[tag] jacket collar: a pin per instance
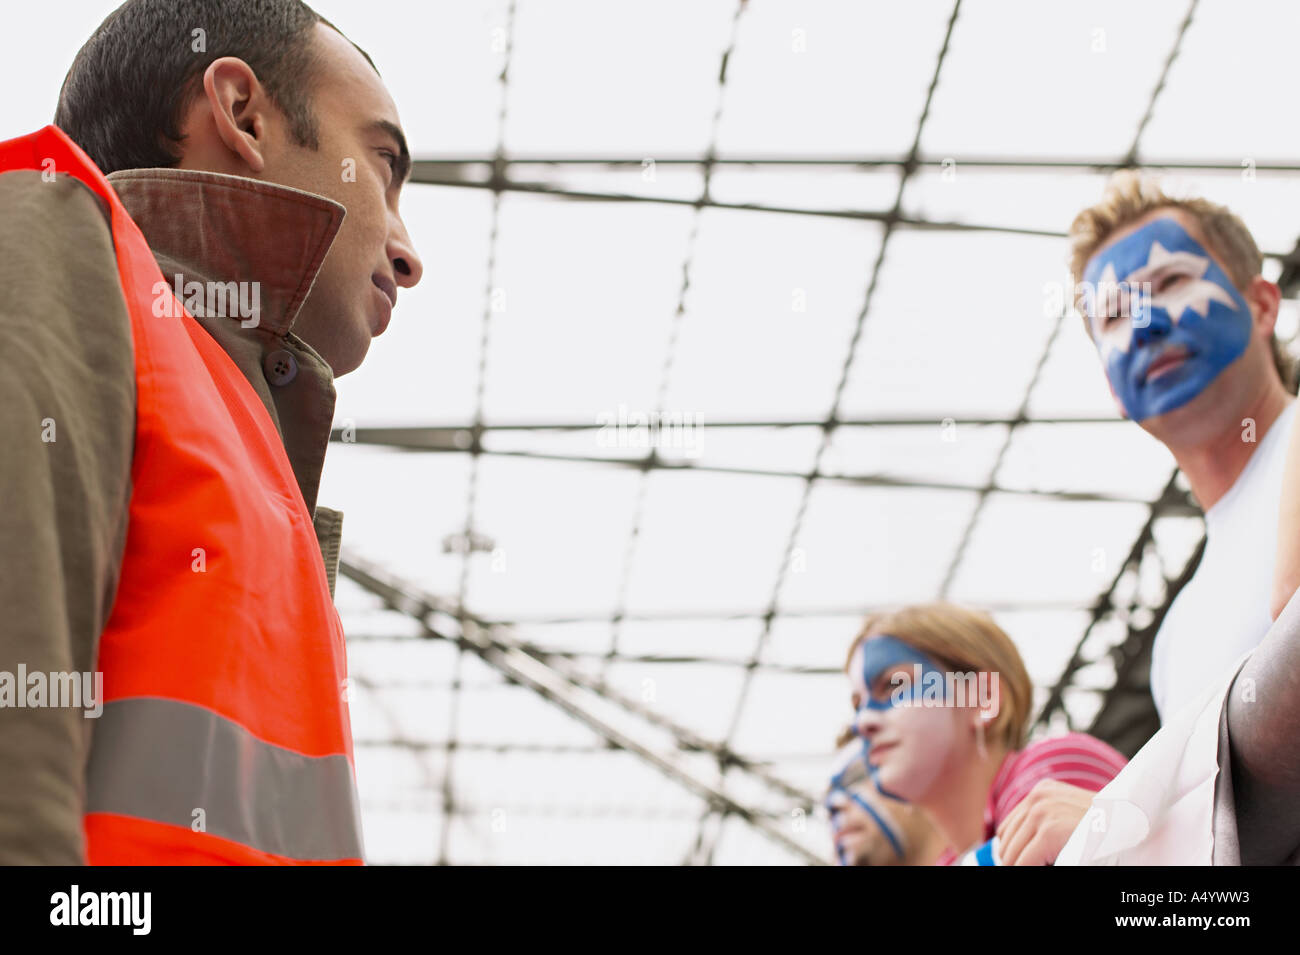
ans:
(212, 228)
(233, 229)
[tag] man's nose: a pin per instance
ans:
(407, 267)
(1150, 324)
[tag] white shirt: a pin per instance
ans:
(1225, 608)
(1162, 808)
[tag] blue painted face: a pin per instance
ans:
(875, 657)
(872, 662)
(851, 773)
(1157, 295)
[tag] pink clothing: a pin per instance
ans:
(1075, 758)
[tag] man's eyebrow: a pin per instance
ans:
(404, 155)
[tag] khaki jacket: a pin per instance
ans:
(67, 413)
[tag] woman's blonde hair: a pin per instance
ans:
(1131, 194)
(963, 640)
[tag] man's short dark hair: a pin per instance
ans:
(131, 84)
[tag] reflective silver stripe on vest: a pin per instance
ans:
(161, 760)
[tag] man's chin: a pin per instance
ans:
(348, 356)
(1183, 403)
(351, 364)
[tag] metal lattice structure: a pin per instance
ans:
(720, 790)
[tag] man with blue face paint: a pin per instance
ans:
(1166, 318)
(869, 828)
(1183, 324)
(1172, 297)
(850, 782)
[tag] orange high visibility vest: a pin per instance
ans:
(225, 735)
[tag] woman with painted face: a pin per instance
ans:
(942, 700)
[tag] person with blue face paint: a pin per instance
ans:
(1165, 316)
(1182, 320)
(869, 828)
(1172, 296)
(942, 701)
(1220, 782)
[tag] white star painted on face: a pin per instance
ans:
(1193, 291)
(1108, 290)
(1110, 299)
(1186, 287)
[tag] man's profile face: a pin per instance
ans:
(359, 164)
(859, 840)
(865, 830)
(1164, 315)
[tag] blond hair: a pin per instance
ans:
(1131, 194)
(963, 640)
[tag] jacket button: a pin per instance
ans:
(280, 366)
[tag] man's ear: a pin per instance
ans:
(239, 109)
(1264, 299)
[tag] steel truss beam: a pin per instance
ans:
(580, 696)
